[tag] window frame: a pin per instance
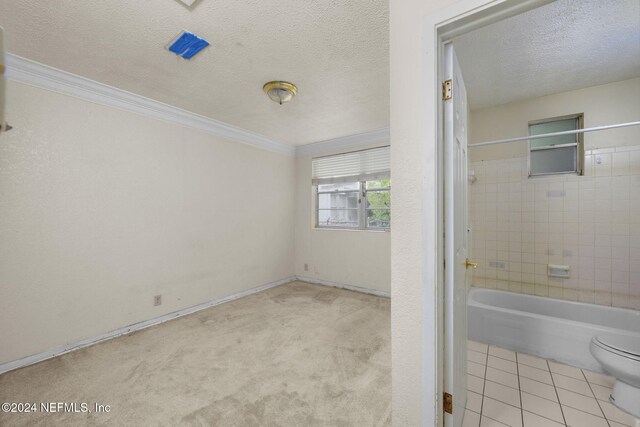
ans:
(362, 209)
(579, 144)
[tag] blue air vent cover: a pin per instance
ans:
(187, 45)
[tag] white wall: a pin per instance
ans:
(102, 209)
(413, 288)
(356, 258)
(605, 104)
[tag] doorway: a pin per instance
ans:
(551, 139)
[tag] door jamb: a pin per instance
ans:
(439, 28)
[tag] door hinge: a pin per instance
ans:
(448, 403)
(446, 90)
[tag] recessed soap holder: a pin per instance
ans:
(561, 271)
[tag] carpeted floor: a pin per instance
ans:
(294, 355)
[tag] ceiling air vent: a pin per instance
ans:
(187, 45)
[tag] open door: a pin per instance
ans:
(456, 240)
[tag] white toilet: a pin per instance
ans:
(619, 355)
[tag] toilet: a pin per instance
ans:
(619, 355)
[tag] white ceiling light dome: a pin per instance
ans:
(280, 92)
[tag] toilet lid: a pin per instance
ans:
(625, 344)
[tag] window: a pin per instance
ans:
(353, 190)
(556, 154)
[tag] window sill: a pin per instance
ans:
(388, 230)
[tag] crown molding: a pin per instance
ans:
(29, 72)
(378, 136)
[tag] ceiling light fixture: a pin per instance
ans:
(280, 92)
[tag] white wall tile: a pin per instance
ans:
(591, 223)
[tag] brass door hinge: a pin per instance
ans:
(446, 90)
(448, 403)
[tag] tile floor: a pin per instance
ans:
(505, 388)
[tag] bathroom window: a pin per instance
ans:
(353, 190)
(557, 154)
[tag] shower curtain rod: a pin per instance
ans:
(546, 135)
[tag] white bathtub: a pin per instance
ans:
(550, 328)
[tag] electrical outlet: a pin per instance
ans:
(306, 267)
(157, 300)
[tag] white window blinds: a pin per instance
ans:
(364, 165)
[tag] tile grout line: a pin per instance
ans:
(557, 395)
(540, 397)
(484, 382)
(597, 400)
(540, 382)
(506, 403)
(519, 390)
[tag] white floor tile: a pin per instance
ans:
(542, 407)
(474, 401)
(572, 384)
(566, 370)
(539, 389)
(614, 414)
(601, 392)
(580, 402)
(476, 369)
(535, 374)
(477, 346)
(502, 412)
(474, 356)
(502, 393)
(502, 364)
(475, 384)
(502, 377)
(534, 420)
(488, 422)
(502, 353)
(600, 379)
(471, 419)
(576, 418)
(549, 393)
(536, 362)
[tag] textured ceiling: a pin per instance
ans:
(565, 45)
(336, 52)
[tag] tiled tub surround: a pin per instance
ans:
(590, 222)
(518, 390)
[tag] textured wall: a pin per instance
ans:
(358, 258)
(413, 302)
(101, 209)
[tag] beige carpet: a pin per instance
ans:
(294, 355)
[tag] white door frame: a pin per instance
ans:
(438, 28)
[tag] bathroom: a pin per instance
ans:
(554, 221)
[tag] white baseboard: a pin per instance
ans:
(57, 351)
(343, 286)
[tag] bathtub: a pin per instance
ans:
(553, 329)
